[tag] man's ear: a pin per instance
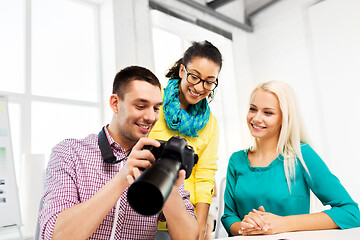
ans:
(114, 100)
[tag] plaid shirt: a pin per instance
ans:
(75, 172)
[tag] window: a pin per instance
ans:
(63, 50)
(52, 65)
(167, 50)
(50, 72)
(12, 46)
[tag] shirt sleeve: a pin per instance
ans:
(185, 196)
(230, 215)
(207, 166)
(60, 190)
(327, 187)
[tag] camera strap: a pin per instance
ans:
(110, 158)
(117, 209)
(105, 148)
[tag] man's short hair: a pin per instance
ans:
(132, 73)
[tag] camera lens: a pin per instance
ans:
(149, 192)
(145, 198)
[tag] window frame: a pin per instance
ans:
(25, 99)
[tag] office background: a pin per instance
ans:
(58, 59)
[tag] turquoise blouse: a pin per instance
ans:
(249, 188)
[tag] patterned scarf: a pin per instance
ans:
(186, 122)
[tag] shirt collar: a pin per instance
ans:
(112, 142)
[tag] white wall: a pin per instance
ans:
(279, 50)
(337, 60)
(314, 47)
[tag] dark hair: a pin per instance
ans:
(132, 73)
(203, 49)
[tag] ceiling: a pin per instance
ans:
(252, 6)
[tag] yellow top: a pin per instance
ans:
(202, 180)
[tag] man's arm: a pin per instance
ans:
(80, 221)
(181, 224)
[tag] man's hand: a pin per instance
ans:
(180, 179)
(181, 224)
(138, 159)
(175, 189)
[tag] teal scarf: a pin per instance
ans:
(186, 122)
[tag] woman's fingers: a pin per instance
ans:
(261, 209)
(255, 218)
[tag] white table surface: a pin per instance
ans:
(336, 234)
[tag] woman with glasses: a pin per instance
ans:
(186, 113)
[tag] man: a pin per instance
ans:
(85, 197)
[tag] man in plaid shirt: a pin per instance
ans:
(85, 197)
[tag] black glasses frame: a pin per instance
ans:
(200, 80)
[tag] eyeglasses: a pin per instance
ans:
(193, 79)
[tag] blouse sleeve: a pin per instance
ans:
(230, 215)
(207, 166)
(327, 187)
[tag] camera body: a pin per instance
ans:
(149, 192)
(178, 149)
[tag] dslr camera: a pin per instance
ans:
(149, 192)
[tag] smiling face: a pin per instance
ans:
(202, 68)
(135, 114)
(264, 118)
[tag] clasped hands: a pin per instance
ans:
(260, 222)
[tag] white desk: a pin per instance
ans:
(349, 234)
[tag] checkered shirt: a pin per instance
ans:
(75, 172)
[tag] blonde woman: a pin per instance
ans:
(268, 185)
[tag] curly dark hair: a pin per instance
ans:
(203, 49)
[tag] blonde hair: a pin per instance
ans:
(292, 132)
